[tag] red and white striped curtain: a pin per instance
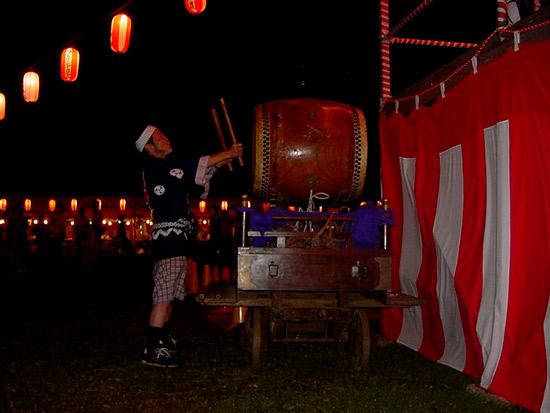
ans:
(468, 179)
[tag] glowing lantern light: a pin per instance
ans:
(31, 87)
(51, 205)
(2, 106)
(265, 206)
(3, 204)
(195, 6)
(27, 204)
(292, 208)
(122, 204)
(98, 204)
(202, 206)
(121, 26)
(224, 205)
(70, 60)
(74, 204)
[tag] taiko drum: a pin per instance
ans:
(309, 146)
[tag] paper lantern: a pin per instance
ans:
(122, 204)
(195, 6)
(70, 60)
(121, 26)
(3, 204)
(31, 87)
(2, 106)
(202, 206)
(51, 205)
(224, 205)
(27, 204)
(74, 204)
(98, 204)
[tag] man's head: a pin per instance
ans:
(154, 142)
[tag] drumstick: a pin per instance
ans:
(230, 128)
(220, 134)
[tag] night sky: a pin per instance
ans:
(78, 139)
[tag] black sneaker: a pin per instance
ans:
(171, 344)
(160, 357)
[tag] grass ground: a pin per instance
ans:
(70, 341)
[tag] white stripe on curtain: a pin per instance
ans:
(411, 256)
(446, 232)
(491, 321)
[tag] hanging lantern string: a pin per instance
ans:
(66, 44)
(481, 47)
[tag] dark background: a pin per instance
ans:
(78, 138)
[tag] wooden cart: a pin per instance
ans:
(307, 294)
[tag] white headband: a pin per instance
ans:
(144, 137)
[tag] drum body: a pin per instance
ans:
(304, 146)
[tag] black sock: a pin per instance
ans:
(154, 337)
(166, 332)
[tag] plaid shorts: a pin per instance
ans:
(169, 279)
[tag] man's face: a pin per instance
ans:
(161, 143)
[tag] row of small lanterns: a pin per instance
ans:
(121, 27)
(52, 204)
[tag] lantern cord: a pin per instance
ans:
(72, 41)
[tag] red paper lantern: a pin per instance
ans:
(31, 86)
(51, 205)
(27, 204)
(195, 6)
(3, 204)
(74, 204)
(2, 106)
(224, 205)
(121, 26)
(70, 60)
(122, 204)
(202, 206)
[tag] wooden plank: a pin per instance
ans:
(394, 300)
(305, 269)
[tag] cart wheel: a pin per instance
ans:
(360, 339)
(253, 336)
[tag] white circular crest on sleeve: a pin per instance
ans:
(178, 173)
(159, 190)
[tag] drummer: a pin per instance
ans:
(168, 181)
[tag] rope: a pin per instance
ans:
(411, 16)
(469, 62)
(423, 42)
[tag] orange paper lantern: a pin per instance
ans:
(70, 60)
(74, 204)
(27, 204)
(195, 6)
(31, 86)
(224, 205)
(122, 204)
(121, 26)
(51, 205)
(2, 106)
(202, 206)
(3, 204)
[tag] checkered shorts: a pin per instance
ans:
(169, 279)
